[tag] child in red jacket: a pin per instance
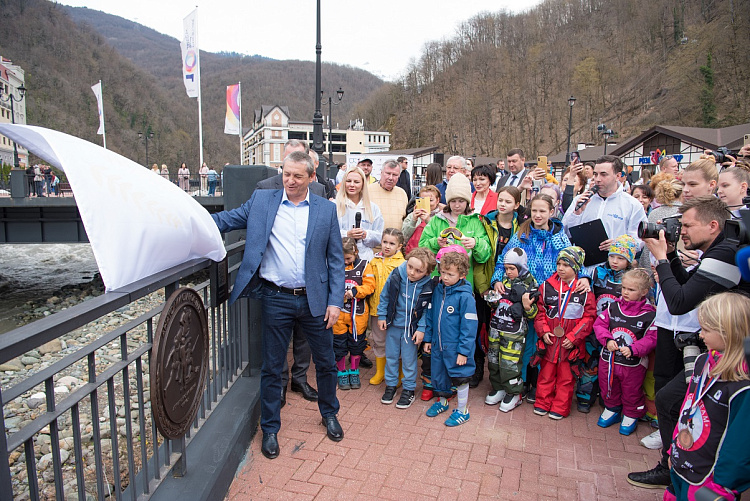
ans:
(564, 320)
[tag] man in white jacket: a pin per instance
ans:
(619, 212)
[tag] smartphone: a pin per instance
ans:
(422, 203)
(536, 185)
(541, 162)
(574, 157)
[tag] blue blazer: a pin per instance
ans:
(324, 255)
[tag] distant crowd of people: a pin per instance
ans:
(42, 181)
(208, 178)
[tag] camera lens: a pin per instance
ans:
(649, 230)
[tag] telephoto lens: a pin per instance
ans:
(689, 354)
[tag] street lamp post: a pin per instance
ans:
(571, 102)
(340, 96)
(607, 134)
(148, 135)
(12, 98)
(317, 115)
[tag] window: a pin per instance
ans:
(293, 134)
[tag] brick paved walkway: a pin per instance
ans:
(388, 453)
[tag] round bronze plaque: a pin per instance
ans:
(179, 362)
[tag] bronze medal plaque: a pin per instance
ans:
(179, 362)
(559, 331)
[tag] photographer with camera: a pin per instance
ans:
(682, 291)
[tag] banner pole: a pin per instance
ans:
(104, 129)
(239, 101)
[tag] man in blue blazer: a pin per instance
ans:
(294, 264)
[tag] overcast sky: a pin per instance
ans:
(381, 36)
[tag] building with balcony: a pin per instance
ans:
(263, 144)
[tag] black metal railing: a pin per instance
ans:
(99, 439)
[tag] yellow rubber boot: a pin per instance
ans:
(379, 371)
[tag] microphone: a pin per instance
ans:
(357, 219)
(594, 191)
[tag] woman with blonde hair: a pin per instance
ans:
(710, 453)
(353, 198)
(164, 171)
(155, 169)
(700, 178)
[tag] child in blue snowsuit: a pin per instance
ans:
(450, 337)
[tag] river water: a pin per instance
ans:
(34, 272)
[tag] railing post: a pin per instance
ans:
(180, 465)
(6, 487)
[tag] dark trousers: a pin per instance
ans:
(484, 313)
(301, 355)
(668, 359)
(344, 344)
(668, 402)
(281, 313)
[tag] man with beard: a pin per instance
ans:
(682, 291)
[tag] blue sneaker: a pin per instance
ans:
(628, 425)
(343, 380)
(456, 418)
(608, 418)
(437, 408)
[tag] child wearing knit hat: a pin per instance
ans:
(564, 320)
(607, 285)
(508, 329)
(457, 224)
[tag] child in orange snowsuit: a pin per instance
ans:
(349, 330)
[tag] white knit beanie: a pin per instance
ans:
(458, 187)
(517, 257)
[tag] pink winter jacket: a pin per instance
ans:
(640, 347)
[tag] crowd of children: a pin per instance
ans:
(552, 331)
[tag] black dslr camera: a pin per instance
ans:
(720, 154)
(671, 225)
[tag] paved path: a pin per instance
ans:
(388, 453)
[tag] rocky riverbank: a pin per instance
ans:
(21, 412)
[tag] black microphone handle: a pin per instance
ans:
(594, 191)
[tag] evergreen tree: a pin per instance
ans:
(708, 104)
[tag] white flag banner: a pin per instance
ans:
(191, 73)
(100, 104)
(138, 224)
